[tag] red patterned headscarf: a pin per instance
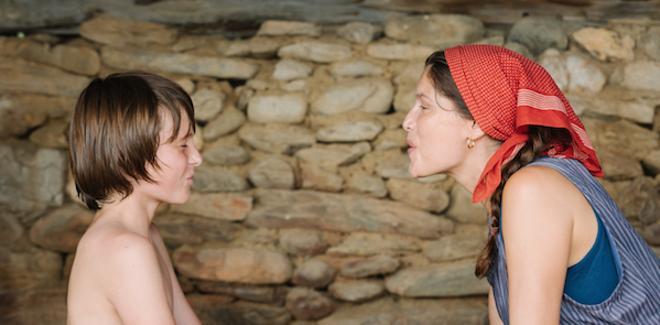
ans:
(506, 92)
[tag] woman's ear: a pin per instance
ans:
(475, 131)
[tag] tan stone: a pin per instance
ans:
(437, 280)
(61, 229)
(23, 76)
(217, 206)
(343, 213)
(233, 264)
(430, 197)
(122, 32)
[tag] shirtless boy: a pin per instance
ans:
(131, 149)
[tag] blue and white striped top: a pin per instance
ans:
(636, 297)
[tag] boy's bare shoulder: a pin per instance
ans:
(113, 246)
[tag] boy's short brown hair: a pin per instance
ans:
(114, 132)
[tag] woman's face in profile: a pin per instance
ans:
(437, 134)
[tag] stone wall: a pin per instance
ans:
(303, 211)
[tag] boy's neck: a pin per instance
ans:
(134, 212)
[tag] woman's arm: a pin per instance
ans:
(537, 228)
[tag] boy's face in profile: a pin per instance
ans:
(177, 160)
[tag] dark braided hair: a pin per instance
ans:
(541, 139)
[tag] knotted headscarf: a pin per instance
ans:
(505, 93)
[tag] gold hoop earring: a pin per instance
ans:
(471, 143)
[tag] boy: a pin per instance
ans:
(130, 149)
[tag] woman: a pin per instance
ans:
(559, 249)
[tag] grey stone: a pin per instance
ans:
(637, 142)
(23, 76)
(350, 132)
(331, 156)
(461, 208)
(539, 33)
(520, 48)
(61, 229)
(254, 293)
(455, 246)
(356, 290)
(28, 269)
(437, 31)
(639, 199)
(224, 206)
(555, 64)
(213, 309)
(32, 178)
(373, 95)
(277, 138)
(342, 212)
(317, 177)
(76, 59)
(388, 311)
(21, 113)
(605, 44)
(370, 266)
(316, 51)
(584, 75)
(291, 69)
(368, 244)
(430, 197)
(635, 109)
(313, 273)
(227, 122)
(358, 32)
(208, 103)
(302, 241)
(387, 164)
(366, 183)
(45, 305)
(258, 46)
(219, 153)
(618, 167)
(272, 172)
(52, 135)
(308, 304)
(451, 279)
(404, 99)
(277, 108)
(639, 75)
(10, 229)
(391, 139)
(223, 68)
(179, 229)
(398, 51)
(356, 68)
(210, 178)
(651, 43)
(652, 234)
(122, 32)
(652, 162)
(232, 264)
(281, 27)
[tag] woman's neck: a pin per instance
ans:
(468, 173)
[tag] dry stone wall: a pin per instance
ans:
(303, 211)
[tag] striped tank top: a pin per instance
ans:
(636, 297)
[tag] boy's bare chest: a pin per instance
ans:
(165, 275)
